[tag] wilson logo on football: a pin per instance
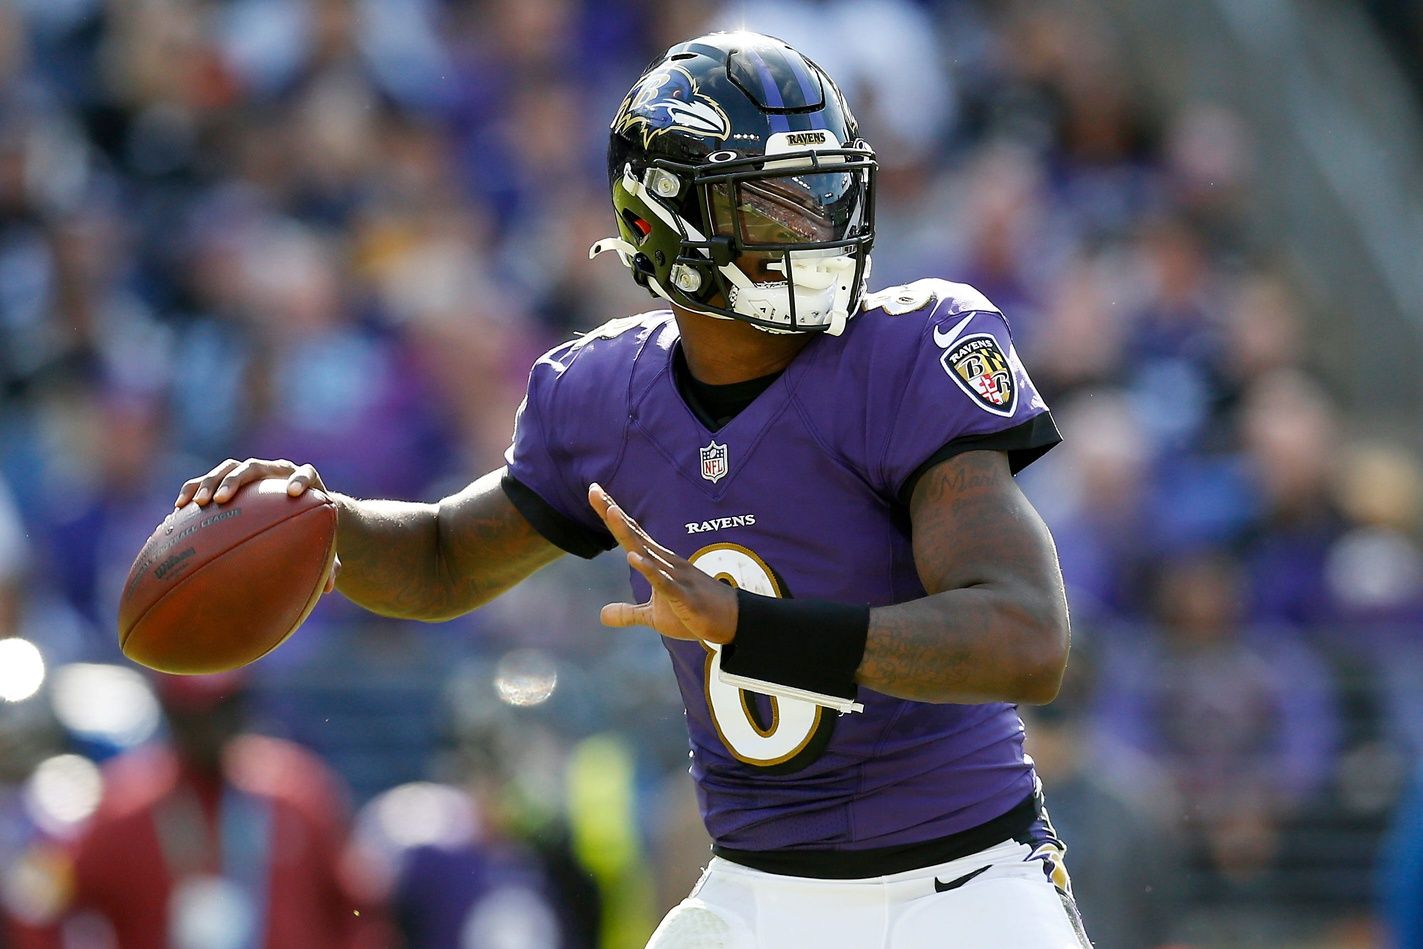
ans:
(980, 367)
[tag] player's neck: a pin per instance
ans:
(719, 352)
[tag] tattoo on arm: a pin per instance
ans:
(436, 561)
(485, 545)
(994, 625)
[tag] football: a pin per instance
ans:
(219, 586)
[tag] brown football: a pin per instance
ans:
(217, 587)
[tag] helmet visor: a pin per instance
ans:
(789, 211)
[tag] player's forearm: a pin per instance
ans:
(390, 561)
(977, 644)
(995, 628)
(436, 561)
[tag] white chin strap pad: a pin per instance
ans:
(822, 286)
(822, 290)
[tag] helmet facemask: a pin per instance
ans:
(780, 241)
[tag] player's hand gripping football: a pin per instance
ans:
(222, 482)
(685, 602)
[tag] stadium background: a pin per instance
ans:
(340, 231)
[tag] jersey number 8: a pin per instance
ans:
(795, 731)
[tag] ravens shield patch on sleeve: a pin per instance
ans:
(981, 368)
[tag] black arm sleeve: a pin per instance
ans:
(557, 528)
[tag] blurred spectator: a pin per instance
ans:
(1117, 811)
(1245, 728)
(1264, 331)
(329, 389)
(1095, 495)
(1006, 239)
(1209, 165)
(1290, 436)
(391, 46)
(1066, 96)
(1173, 350)
(97, 502)
(482, 857)
(1374, 577)
(13, 555)
(1400, 873)
(454, 875)
(29, 735)
(224, 839)
(1079, 344)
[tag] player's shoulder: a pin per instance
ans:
(593, 368)
(592, 375)
(614, 346)
(900, 333)
(911, 308)
(897, 321)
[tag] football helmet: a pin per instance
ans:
(741, 187)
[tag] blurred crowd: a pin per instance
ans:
(339, 231)
(1400, 23)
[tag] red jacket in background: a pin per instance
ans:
(274, 826)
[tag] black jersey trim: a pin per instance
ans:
(882, 861)
(716, 405)
(1025, 443)
(555, 526)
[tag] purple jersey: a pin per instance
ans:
(803, 493)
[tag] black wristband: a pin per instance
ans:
(811, 645)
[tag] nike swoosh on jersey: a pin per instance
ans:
(945, 340)
(941, 887)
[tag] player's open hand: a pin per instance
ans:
(222, 482)
(685, 602)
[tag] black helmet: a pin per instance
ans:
(733, 149)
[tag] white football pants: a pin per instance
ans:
(1009, 896)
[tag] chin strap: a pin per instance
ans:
(759, 300)
(617, 245)
(821, 285)
(626, 252)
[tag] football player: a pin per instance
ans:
(812, 485)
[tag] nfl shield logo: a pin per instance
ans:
(713, 462)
